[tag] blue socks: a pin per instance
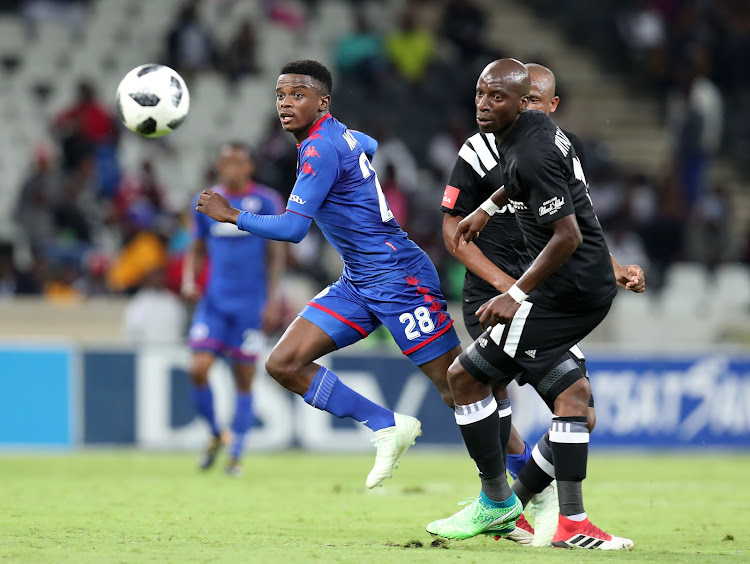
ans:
(514, 462)
(243, 420)
(329, 394)
(203, 399)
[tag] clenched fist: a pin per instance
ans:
(217, 207)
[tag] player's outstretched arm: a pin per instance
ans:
(472, 257)
(289, 226)
(468, 228)
(566, 238)
(629, 276)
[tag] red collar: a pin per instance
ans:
(317, 126)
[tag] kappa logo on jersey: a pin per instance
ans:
(296, 199)
(483, 342)
(517, 205)
(308, 169)
(450, 196)
(311, 151)
(531, 353)
(551, 206)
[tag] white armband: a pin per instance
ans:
(518, 295)
(490, 207)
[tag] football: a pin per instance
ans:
(152, 100)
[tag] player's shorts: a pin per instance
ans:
(471, 321)
(536, 341)
(235, 336)
(412, 308)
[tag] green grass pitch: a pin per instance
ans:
(129, 506)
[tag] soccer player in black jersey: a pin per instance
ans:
(495, 260)
(572, 287)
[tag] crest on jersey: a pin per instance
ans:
(251, 204)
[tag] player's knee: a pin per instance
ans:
(277, 366)
(456, 373)
(574, 400)
(199, 371)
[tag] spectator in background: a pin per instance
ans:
(395, 196)
(154, 315)
(463, 25)
(38, 197)
(191, 48)
(443, 147)
(410, 48)
(87, 130)
(695, 115)
(12, 281)
(62, 286)
(138, 190)
(392, 150)
(143, 251)
(664, 235)
(359, 55)
(712, 218)
(241, 56)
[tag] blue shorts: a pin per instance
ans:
(235, 335)
(412, 308)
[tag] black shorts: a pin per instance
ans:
(536, 341)
(471, 321)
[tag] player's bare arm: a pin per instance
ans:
(469, 228)
(472, 257)
(217, 207)
(195, 256)
(566, 238)
(276, 261)
(629, 276)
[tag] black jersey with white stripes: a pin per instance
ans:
(476, 176)
(544, 181)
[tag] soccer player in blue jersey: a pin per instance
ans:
(240, 301)
(387, 279)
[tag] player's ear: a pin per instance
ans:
(325, 103)
(523, 104)
(553, 104)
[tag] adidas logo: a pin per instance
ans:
(482, 342)
(531, 353)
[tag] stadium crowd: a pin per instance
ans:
(95, 228)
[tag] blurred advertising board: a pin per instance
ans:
(120, 396)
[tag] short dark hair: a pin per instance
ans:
(314, 70)
(240, 146)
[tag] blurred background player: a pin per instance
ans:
(240, 303)
(387, 279)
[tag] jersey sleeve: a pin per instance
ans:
(316, 174)
(467, 189)
(369, 145)
(545, 174)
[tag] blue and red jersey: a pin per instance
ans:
(237, 272)
(337, 187)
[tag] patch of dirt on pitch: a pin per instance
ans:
(410, 544)
(439, 543)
